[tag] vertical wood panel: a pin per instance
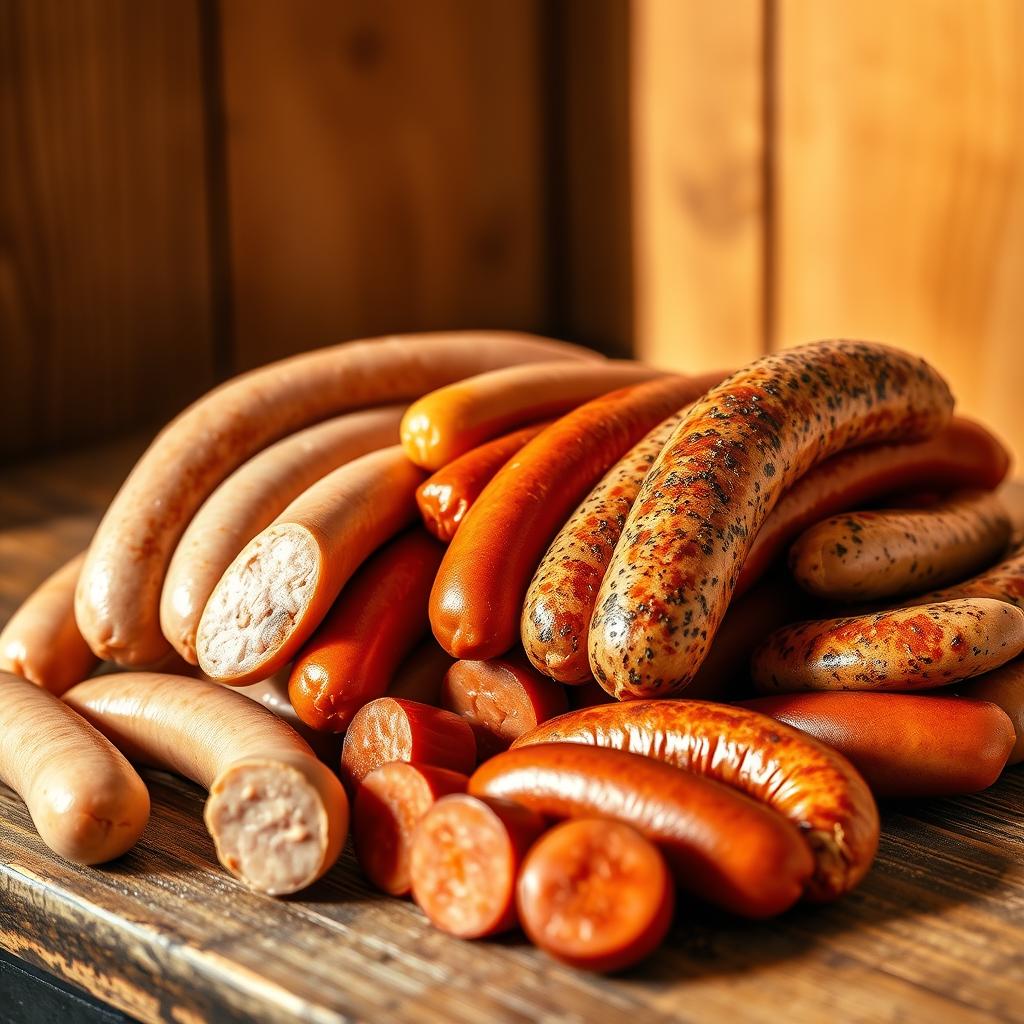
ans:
(385, 168)
(698, 168)
(104, 278)
(901, 186)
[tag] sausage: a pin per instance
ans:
(962, 454)
(117, 602)
(1003, 582)
(389, 804)
(693, 821)
(675, 567)
(904, 745)
(887, 553)
(595, 894)
(451, 421)
(502, 699)
(446, 496)
(277, 815)
(249, 500)
(813, 787)
(1003, 687)
(394, 729)
(477, 598)
(560, 599)
(41, 641)
(466, 856)
(86, 801)
(282, 584)
(904, 649)
(376, 621)
(421, 675)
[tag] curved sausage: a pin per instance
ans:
(421, 675)
(904, 649)
(887, 553)
(1005, 688)
(86, 801)
(675, 567)
(1003, 582)
(905, 745)
(377, 620)
(247, 502)
(389, 805)
(595, 894)
(477, 599)
(41, 641)
(277, 815)
(466, 856)
(961, 454)
(560, 599)
(284, 581)
(502, 699)
(118, 599)
(813, 787)
(451, 421)
(693, 821)
(394, 729)
(446, 496)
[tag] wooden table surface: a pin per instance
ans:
(935, 933)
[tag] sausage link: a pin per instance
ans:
(1004, 687)
(1003, 582)
(866, 556)
(86, 801)
(720, 474)
(905, 649)
(905, 745)
(693, 821)
(446, 496)
(379, 617)
(813, 787)
(421, 675)
(477, 600)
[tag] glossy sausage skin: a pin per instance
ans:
(962, 454)
(905, 649)
(379, 617)
(451, 421)
(117, 603)
(813, 787)
(675, 567)
(477, 600)
(41, 641)
(446, 496)
(1005, 688)
(905, 745)
(692, 820)
(86, 801)
(866, 556)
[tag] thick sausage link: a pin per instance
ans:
(1003, 582)
(865, 556)
(1005, 688)
(694, 822)
(86, 801)
(905, 745)
(709, 491)
(814, 787)
(906, 649)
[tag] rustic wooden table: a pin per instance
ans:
(935, 933)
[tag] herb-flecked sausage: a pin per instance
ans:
(1003, 582)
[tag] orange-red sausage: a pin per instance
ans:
(393, 729)
(1005, 688)
(813, 787)
(446, 496)
(694, 822)
(905, 745)
(502, 699)
(477, 599)
(466, 856)
(389, 804)
(595, 894)
(377, 620)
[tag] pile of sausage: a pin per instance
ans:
(519, 627)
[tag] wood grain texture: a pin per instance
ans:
(384, 168)
(900, 186)
(934, 932)
(104, 278)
